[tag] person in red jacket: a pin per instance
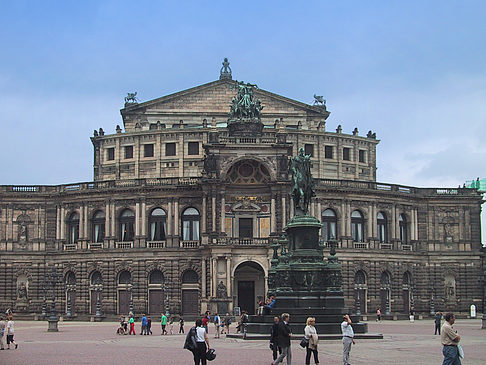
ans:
(205, 321)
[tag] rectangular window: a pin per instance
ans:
(346, 153)
(362, 156)
(128, 152)
(309, 149)
(148, 150)
(328, 151)
(170, 149)
(110, 153)
(193, 148)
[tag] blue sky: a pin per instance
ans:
(414, 72)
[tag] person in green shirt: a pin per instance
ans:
(131, 321)
(163, 322)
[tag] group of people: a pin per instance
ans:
(281, 335)
(146, 325)
(264, 308)
(7, 330)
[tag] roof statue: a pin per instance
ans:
(244, 106)
(319, 100)
(302, 183)
(225, 72)
(131, 98)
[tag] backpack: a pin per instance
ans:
(190, 343)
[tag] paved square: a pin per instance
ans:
(97, 343)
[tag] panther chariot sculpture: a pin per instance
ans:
(131, 98)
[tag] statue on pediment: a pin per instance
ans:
(243, 104)
(131, 98)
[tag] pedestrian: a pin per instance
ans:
(143, 330)
(10, 333)
(348, 338)
(202, 344)
(378, 315)
(227, 323)
(163, 323)
(205, 321)
(310, 333)
(274, 339)
(438, 317)
(450, 339)
(412, 315)
(244, 323)
(2, 332)
(171, 325)
(181, 324)
(217, 325)
(149, 326)
(131, 322)
(284, 336)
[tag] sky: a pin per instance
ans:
(414, 72)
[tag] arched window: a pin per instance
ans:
(382, 227)
(73, 228)
(407, 278)
(360, 278)
(156, 277)
(402, 223)
(190, 277)
(125, 277)
(70, 278)
(385, 279)
(158, 225)
(96, 278)
(98, 226)
(127, 219)
(357, 226)
(329, 223)
(190, 225)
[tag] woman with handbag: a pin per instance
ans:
(310, 333)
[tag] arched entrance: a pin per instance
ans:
(250, 285)
(96, 292)
(361, 291)
(156, 294)
(190, 293)
(124, 292)
(406, 291)
(385, 292)
(70, 293)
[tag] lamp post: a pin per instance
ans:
(432, 303)
(357, 300)
(483, 320)
(387, 301)
(98, 286)
(130, 290)
(44, 302)
(52, 279)
(165, 288)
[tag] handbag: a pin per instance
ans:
(304, 342)
(461, 351)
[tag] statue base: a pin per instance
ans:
(222, 306)
(52, 325)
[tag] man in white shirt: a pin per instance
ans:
(10, 333)
(348, 338)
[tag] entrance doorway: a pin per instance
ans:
(246, 227)
(250, 284)
(246, 296)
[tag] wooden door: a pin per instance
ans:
(246, 296)
(156, 302)
(190, 302)
(123, 301)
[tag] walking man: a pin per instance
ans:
(143, 330)
(274, 339)
(348, 338)
(438, 317)
(181, 324)
(283, 339)
(450, 339)
(163, 323)
(217, 325)
(10, 333)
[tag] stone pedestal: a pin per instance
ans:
(52, 325)
(304, 283)
(221, 306)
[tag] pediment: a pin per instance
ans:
(213, 100)
(245, 206)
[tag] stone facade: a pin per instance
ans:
(177, 223)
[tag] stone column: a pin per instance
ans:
(204, 214)
(393, 220)
(81, 222)
(319, 210)
(62, 223)
(137, 219)
(113, 220)
(371, 222)
(203, 278)
(107, 220)
(176, 218)
(58, 223)
(169, 219)
(272, 215)
(228, 277)
(343, 219)
(291, 213)
(86, 221)
(213, 212)
(348, 219)
(284, 212)
(222, 213)
(144, 222)
(374, 220)
(214, 277)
